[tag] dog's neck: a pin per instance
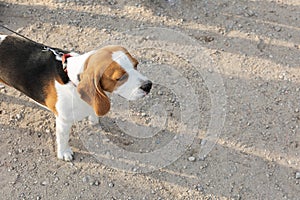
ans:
(75, 66)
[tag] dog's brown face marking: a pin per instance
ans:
(113, 77)
(109, 72)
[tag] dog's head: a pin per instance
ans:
(111, 69)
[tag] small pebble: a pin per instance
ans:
(261, 45)
(192, 159)
(85, 179)
(134, 169)
(106, 140)
(18, 116)
(277, 28)
(199, 188)
(249, 13)
(111, 185)
(44, 183)
(297, 175)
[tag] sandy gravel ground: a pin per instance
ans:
(254, 101)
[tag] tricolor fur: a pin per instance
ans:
(74, 95)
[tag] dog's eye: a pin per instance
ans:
(122, 78)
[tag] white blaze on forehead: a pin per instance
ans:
(131, 88)
(2, 37)
(121, 58)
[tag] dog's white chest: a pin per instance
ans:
(69, 104)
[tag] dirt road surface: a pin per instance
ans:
(246, 102)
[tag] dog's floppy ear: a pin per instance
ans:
(91, 92)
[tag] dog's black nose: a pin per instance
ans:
(147, 85)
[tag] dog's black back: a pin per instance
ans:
(26, 66)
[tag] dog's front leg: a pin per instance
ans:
(64, 151)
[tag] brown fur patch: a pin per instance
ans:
(101, 64)
(58, 79)
(51, 97)
(110, 76)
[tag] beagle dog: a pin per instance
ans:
(72, 87)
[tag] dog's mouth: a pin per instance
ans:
(135, 93)
(138, 93)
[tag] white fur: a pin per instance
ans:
(2, 37)
(71, 108)
(131, 88)
(76, 65)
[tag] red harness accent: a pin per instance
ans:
(64, 61)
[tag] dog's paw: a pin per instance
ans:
(66, 155)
